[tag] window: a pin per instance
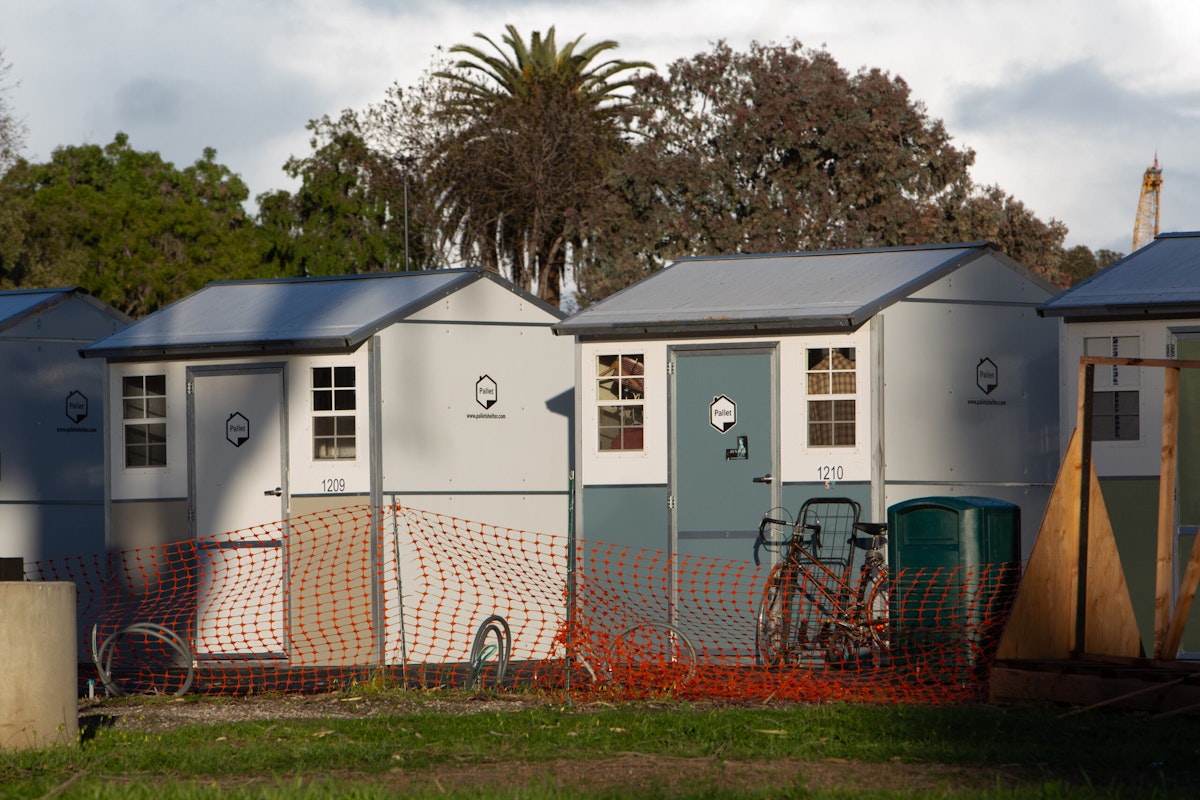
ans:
(1116, 401)
(832, 383)
(144, 409)
(333, 395)
(620, 392)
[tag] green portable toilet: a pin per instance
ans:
(954, 562)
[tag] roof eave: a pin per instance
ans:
(336, 344)
(712, 327)
(1088, 313)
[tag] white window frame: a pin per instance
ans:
(837, 398)
(334, 408)
(1115, 387)
(145, 413)
(620, 409)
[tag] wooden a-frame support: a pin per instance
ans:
(1073, 600)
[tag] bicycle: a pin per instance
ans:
(811, 609)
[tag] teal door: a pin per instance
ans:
(724, 459)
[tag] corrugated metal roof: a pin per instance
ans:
(1161, 279)
(284, 315)
(19, 304)
(837, 289)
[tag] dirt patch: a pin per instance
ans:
(658, 775)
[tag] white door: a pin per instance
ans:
(238, 501)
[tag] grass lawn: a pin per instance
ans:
(390, 746)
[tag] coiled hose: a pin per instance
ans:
(497, 626)
(102, 656)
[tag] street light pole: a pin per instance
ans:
(405, 163)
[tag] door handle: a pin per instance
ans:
(277, 491)
(768, 478)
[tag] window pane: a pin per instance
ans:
(343, 376)
(156, 434)
(344, 400)
(344, 426)
(322, 400)
(156, 407)
(843, 410)
(816, 357)
(322, 377)
(820, 410)
(324, 426)
(135, 434)
(842, 383)
(818, 383)
(156, 385)
(843, 434)
(132, 386)
(134, 408)
(157, 455)
(819, 435)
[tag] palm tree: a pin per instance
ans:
(531, 131)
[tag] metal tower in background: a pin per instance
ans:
(1145, 225)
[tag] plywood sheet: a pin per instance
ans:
(1043, 620)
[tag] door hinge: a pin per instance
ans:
(671, 366)
(671, 501)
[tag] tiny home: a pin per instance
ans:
(721, 387)
(52, 445)
(1147, 305)
(250, 403)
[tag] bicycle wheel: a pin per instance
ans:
(879, 626)
(782, 630)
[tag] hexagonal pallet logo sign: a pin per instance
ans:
(486, 392)
(987, 376)
(722, 413)
(237, 429)
(77, 407)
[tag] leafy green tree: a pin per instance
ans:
(348, 216)
(1079, 262)
(529, 133)
(780, 149)
(127, 226)
(12, 128)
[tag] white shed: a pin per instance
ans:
(1147, 305)
(252, 403)
(721, 387)
(52, 445)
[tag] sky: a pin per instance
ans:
(1065, 102)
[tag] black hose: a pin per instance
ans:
(497, 626)
(102, 656)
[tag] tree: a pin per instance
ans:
(1080, 262)
(528, 137)
(127, 226)
(12, 128)
(780, 149)
(349, 214)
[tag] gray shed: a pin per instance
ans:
(719, 388)
(52, 449)
(1147, 305)
(249, 403)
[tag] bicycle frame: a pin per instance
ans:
(847, 615)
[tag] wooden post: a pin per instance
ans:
(1165, 563)
(1086, 383)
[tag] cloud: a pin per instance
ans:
(150, 101)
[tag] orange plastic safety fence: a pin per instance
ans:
(419, 599)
